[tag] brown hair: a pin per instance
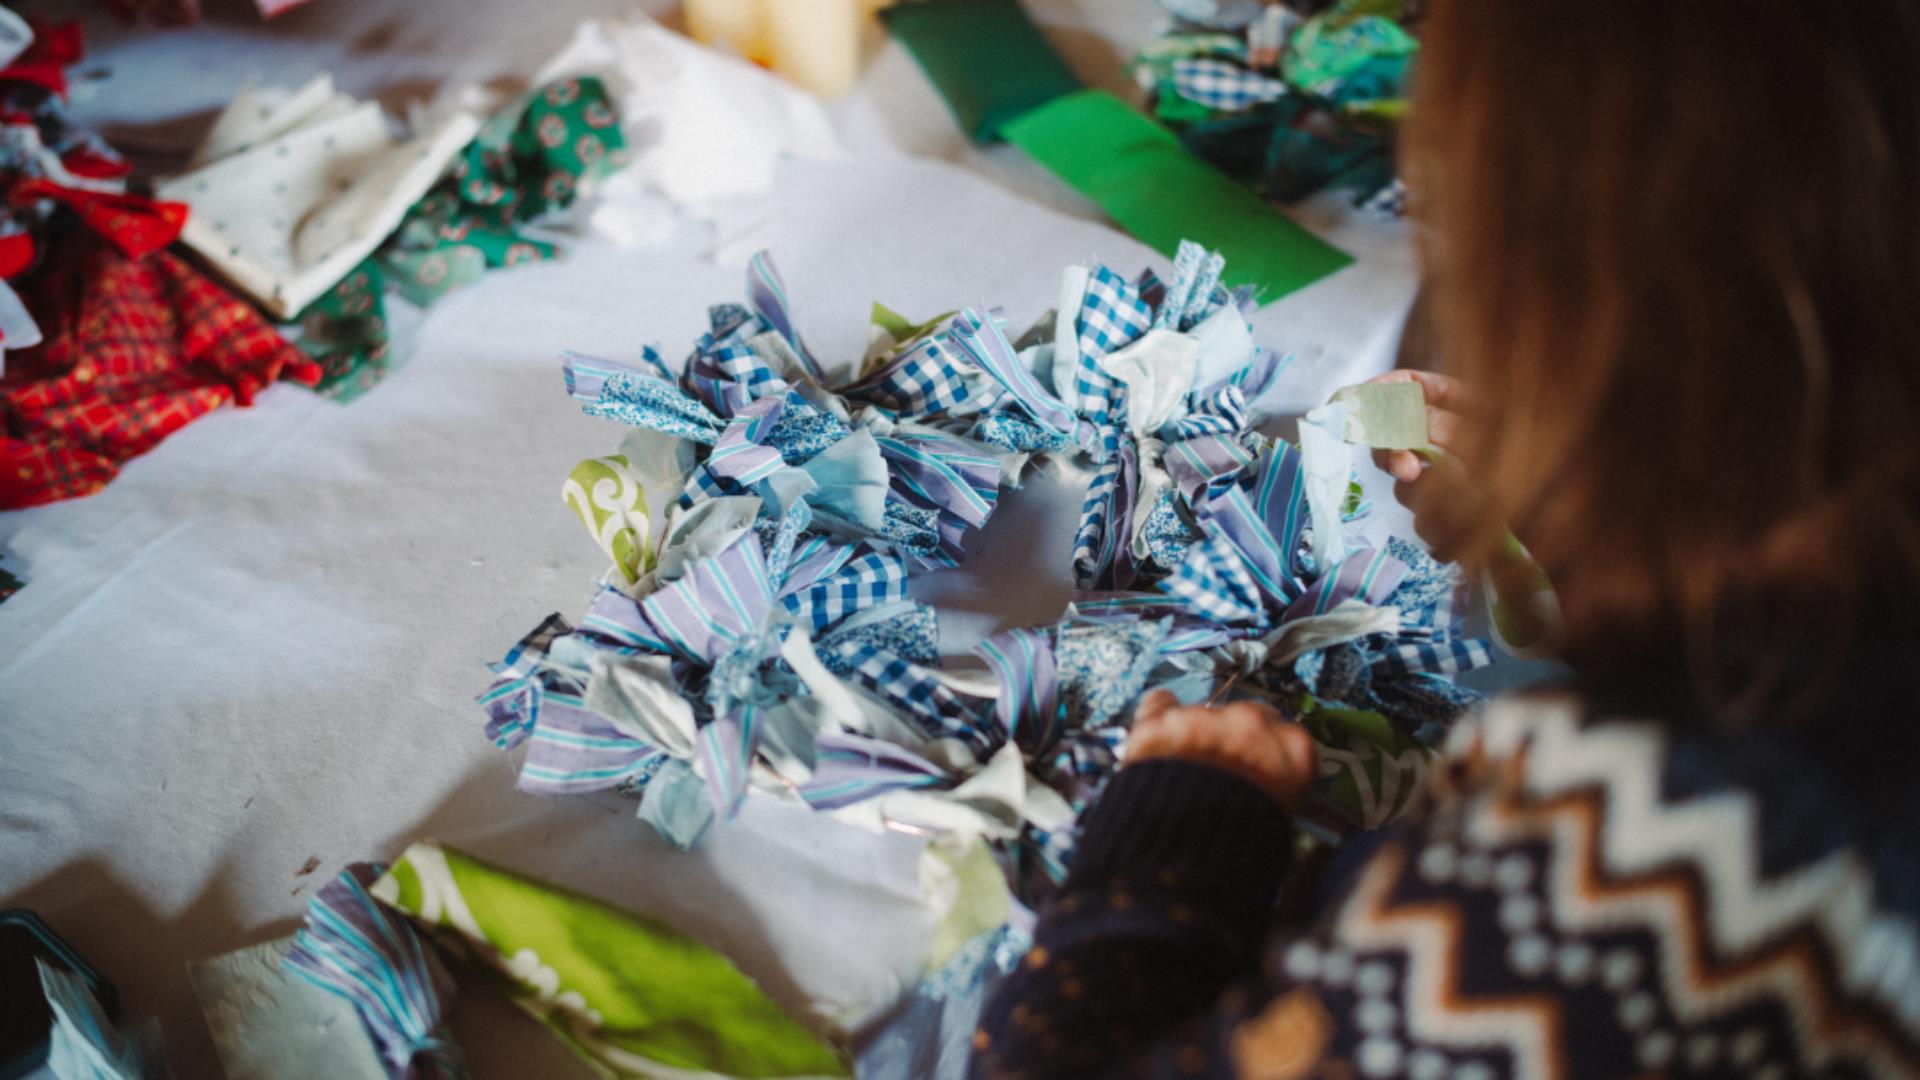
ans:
(1676, 246)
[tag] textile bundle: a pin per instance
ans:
(1288, 103)
(631, 996)
(112, 343)
(762, 522)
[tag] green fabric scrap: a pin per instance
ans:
(986, 57)
(1386, 416)
(1336, 44)
(346, 333)
(528, 160)
(1370, 770)
(629, 994)
(9, 585)
(531, 158)
(1138, 172)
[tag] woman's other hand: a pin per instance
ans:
(1246, 738)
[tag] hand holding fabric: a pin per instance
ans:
(1250, 740)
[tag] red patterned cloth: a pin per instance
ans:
(135, 349)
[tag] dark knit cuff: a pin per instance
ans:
(1198, 836)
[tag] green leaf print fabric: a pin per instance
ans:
(631, 995)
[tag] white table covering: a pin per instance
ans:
(259, 646)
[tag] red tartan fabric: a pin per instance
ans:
(134, 350)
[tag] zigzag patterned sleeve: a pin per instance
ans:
(1581, 899)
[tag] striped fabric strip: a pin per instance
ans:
(740, 458)
(1366, 574)
(1280, 499)
(768, 294)
(955, 478)
(1027, 709)
(357, 948)
(587, 375)
(1433, 657)
(852, 768)
(726, 747)
(980, 340)
(1203, 466)
(575, 751)
(614, 618)
(512, 702)
(816, 558)
(1222, 412)
(716, 602)
(1234, 519)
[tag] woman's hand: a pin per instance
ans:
(1250, 740)
(1446, 507)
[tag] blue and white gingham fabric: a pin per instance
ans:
(934, 708)
(1225, 86)
(925, 380)
(1113, 314)
(867, 579)
(1215, 583)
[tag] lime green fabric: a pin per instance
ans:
(631, 995)
(1138, 172)
(612, 504)
(1386, 416)
(986, 57)
(1370, 770)
(978, 900)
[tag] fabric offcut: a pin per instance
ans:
(530, 160)
(292, 189)
(1289, 103)
(134, 350)
(630, 995)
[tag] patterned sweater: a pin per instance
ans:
(1585, 897)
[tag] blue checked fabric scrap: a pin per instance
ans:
(1227, 87)
(771, 643)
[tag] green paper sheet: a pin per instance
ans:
(1138, 172)
(986, 57)
(625, 992)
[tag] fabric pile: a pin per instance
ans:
(307, 204)
(631, 996)
(113, 343)
(755, 630)
(1289, 103)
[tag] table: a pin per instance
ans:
(257, 649)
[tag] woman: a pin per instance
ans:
(1674, 252)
